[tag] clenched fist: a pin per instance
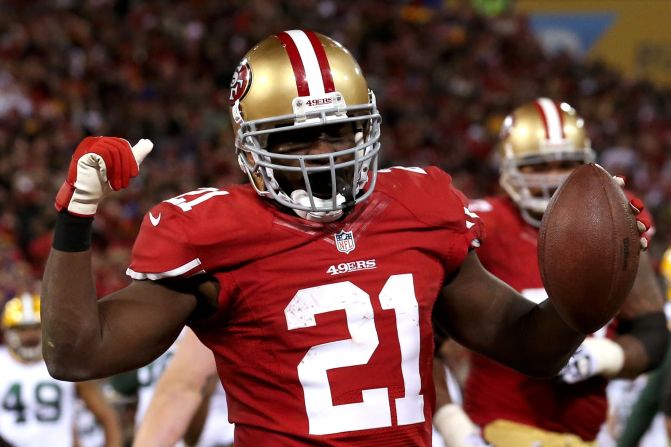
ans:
(98, 166)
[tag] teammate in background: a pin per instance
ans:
(648, 421)
(316, 299)
(37, 409)
(183, 391)
(541, 143)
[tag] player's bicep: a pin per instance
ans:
(139, 322)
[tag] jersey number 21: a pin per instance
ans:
(374, 411)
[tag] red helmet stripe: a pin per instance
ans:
(296, 63)
(551, 115)
(561, 120)
(324, 66)
(541, 113)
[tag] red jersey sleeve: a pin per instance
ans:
(162, 248)
(432, 199)
(455, 215)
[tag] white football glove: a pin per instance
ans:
(98, 166)
(595, 356)
(456, 428)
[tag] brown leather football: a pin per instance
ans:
(588, 248)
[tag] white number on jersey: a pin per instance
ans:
(47, 396)
(374, 410)
(404, 168)
(536, 295)
(203, 193)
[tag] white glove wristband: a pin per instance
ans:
(608, 355)
(455, 426)
(595, 356)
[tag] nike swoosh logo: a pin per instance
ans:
(154, 220)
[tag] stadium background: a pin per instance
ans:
(445, 74)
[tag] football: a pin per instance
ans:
(588, 248)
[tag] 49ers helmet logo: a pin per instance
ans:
(242, 77)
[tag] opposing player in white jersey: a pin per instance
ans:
(37, 410)
(204, 425)
(148, 376)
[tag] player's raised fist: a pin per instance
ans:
(99, 165)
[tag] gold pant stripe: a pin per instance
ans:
(501, 433)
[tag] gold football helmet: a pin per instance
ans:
(665, 270)
(22, 313)
(533, 135)
(298, 80)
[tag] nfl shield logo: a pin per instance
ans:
(344, 241)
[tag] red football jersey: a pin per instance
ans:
(495, 392)
(323, 332)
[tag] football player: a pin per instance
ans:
(642, 416)
(139, 385)
(186, 386)
(317, 298)
(35, 407)
(541, 143)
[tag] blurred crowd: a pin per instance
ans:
(444, 77)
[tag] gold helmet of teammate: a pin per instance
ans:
(21, 327)
(535, 137)
(291, 88)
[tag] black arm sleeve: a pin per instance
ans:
(665, 399)
(651, 330)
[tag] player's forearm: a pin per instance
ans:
(531, 338)
(92, 395)
(543, 339)
(112, 428)
(109, 421)
(70, 321)
(175, 405)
